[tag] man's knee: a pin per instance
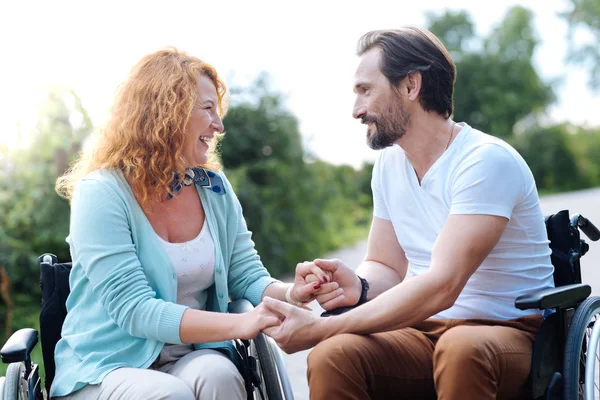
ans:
(460, 346)
(337, 351)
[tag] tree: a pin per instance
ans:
(585, 15)
(33, 218)
(297, 210)
(551, 157)
(258, 128)
(496, 84)
(455, 29)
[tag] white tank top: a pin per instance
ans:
(194, 263)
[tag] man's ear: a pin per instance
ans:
(414, 81)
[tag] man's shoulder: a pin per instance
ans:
(479, 146)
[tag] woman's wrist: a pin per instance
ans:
(290, 298)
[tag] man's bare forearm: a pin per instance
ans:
(380, 277)
(402, 306)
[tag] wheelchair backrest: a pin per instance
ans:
(567, 248)
(54, 282)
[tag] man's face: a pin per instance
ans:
(377, 104)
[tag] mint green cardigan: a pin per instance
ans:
(122, 307)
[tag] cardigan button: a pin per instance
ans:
(219, 270)
(220, 295)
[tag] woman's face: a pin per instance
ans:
(204, 122)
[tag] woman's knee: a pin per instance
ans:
(209, 372)
(133, 383)
(223, 373)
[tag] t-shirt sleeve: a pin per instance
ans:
(379, 207)
(489, 181)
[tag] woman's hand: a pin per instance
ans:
(252, 322)
(305, 291)
(350, 286)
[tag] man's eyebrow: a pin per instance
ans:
(359, 85)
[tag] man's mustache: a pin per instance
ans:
(366, 120)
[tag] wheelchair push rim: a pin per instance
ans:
(15, 385)
(582, 357)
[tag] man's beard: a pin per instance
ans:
(389, 127)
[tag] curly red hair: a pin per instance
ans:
(145, 133)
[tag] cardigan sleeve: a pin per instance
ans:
(248, 278)
(101, 243)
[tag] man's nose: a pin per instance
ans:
(359, 110)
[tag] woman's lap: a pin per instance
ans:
(201, 374)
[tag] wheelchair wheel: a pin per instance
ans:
(581, 362)
(15, 385)
(267, 368)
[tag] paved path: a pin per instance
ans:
(585, 202)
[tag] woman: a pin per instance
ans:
(159, 245)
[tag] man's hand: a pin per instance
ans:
(255, 321)
(320, 283)
(350, 286)
(299, 330)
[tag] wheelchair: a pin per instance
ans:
(565, 361)
(263, 367)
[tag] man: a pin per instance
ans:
(460, 207)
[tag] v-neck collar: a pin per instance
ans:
(465, 128)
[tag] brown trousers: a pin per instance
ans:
(445, 359)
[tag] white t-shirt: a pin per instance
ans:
(478, 174)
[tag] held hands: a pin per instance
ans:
(253, 322)
(299, 330)
(350, 286)
(320, 284)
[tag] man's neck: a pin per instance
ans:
(426, 140)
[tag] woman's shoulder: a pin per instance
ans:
(105, 181)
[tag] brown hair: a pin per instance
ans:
(411, 49)
(145, 132)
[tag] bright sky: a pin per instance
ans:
(308, 48)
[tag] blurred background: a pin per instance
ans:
(528, 72)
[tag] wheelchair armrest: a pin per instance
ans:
(240, 306)
(562, 296)
(18, 347)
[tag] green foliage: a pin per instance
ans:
(585, 15)
(497, 84)
(551, 159)
(296, 210)
(258, 128)
(33, 219)
(454, 29)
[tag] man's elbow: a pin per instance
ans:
(448, 294)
